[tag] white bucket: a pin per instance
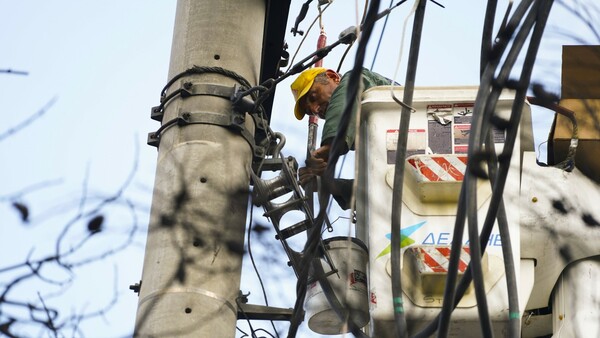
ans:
(350, 287)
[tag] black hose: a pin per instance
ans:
(486, 36)
(450, 301)
(396, 217)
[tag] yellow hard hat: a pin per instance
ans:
(302, 85)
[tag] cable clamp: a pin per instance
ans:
(189, 89)
(232, 120)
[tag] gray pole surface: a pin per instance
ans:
(192, 264)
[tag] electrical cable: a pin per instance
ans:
(511, 136)
(401, 146)
(265, 331)
(313, 236)
(346, 37)
(476, 251)
(300, 18)
(242, 331)
(507, 13)
(443, 319)
(260, 281)
(305, 36)
(202, 70)
(339, 67)
(237, 302)
(480, 127)
(385, 14)
(568, 164)
(486, 36)
(354, 85)
(358, 24)
(381, 37)
(543, 13)
(398, 101)
(507, 253)
(313, 122)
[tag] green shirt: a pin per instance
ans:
(333, 115)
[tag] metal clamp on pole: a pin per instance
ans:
(232, 120)
(188, 89)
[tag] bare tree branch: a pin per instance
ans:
(28, 121)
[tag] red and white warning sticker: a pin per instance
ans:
(433, 168)
(435, 259)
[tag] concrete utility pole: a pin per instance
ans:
(192, 264)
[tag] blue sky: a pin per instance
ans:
(103, 64)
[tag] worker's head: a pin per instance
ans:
(312, 91)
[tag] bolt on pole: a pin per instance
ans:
(193, 258)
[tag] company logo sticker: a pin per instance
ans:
(405, 240)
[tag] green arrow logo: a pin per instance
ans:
(404, 239)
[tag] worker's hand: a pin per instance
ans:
(307, 178)
(317, 162)
(315, 166)
(322, 152)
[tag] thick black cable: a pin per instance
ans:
(456, 246)
(475, 249)
(337, 149)
(452, 296)
(541, 18)
(543, 13)
(514, 325)
(482, 128)
(245, 84)
(396, 216)
(486, 36)
(352, 95)
(506, 14)
(338, 145)
(202, 70)
(449, 293)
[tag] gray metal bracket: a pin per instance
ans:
(232, 120)
(261, 312)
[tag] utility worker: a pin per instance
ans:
(322, 92)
